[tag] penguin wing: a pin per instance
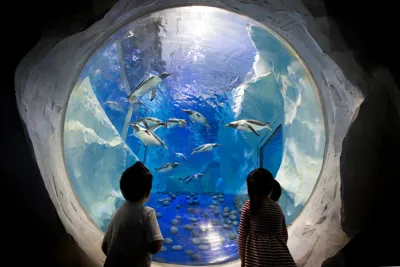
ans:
(200, 148)
(184, 179)
(252, 129)
(256, 122)
(163, 166)
(159, 140)
(153, 93)
(201, 116)
(152, 119)
(153, 128)
(142, 83)
(146, 124)
(187, 111)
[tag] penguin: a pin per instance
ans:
(114, 105)
(149, 122)
(180, 155)
(147, 136)
(167, 167)
(150, 84)
(249, 126)
(136, 105)
(196, 117)
(204, 148)
(192, 177)
(171, 123)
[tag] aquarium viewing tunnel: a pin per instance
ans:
(201, 95)
(223, 68)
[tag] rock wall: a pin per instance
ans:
(369, 184)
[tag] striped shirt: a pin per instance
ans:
(263, 237)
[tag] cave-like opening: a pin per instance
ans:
(226, 67)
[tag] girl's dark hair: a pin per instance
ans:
(261, 183)
(136, 182)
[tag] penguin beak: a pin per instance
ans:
(166, 74)
(227, 125)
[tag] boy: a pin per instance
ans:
(133, 233)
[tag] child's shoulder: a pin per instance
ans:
(135, 208)
(148, 210)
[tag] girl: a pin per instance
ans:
(262, 231)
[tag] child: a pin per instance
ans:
(262, 231)
(133, 233)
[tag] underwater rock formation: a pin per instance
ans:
(94, 153)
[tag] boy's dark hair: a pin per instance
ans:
(136, 182)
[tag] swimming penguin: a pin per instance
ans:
(150, 84)
(149, 122)
(147, 136)
(180, 155)
(204, 148)
(114, 105)
(249, 126)
(167, 167)
(196, 117)
(192, 177)
(171, 123)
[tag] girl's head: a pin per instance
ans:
(260, 184)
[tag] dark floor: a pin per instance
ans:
(34, 234)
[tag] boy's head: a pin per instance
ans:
(136, 182)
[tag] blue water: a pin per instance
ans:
(206, 72)
(271, 152)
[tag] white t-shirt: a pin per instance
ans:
(131, 228)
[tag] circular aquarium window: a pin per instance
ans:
(202, 96)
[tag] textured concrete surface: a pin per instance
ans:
(46, 76)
